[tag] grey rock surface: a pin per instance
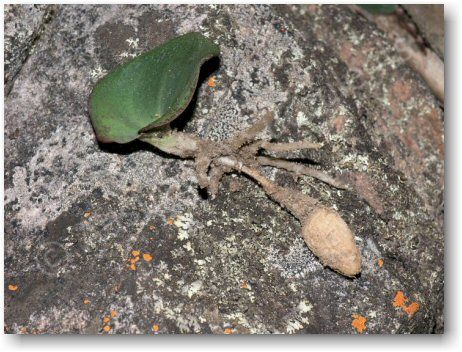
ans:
(23, 25)
(75, 210)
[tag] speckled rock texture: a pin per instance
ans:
(23, 25)
(79, 214)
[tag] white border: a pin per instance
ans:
(450, 341)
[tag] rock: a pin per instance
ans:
(75, 211)
(23, 25)
(430, 21)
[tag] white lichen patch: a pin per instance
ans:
(372, 314)
(126, 54)
(193, 288)
(229, 245)
(132, 42)
(159, 282)
(294, 286)
(393, 188)
(245, 285)
(297, 54)
(177, 252)
(293, 326)
(133, 50)
(184, 322)
(241, 319)
(304, 306)
(302, 120)
(355, 161)
(199, 262)
(183, 223)
(182, 235)
(188, 247)
(97, 72)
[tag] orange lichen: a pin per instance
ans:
(87, 214)
(245, 285)
(86, 301)
(135, 253)
(107, 328)
(359, 323)
(400, 299)
(133, 266)
(211, 82)
(155, 328)
(380, 262)
(400, 302)
(147, 257)
(106, 320)
(228, 331)
(170, 221)
(134, 260)
(412, 308)
(114, 313)
(12, 287)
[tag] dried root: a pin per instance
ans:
(323, 230)
(299, 169)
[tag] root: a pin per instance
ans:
(216, 174)
(300, 169)
(202, 163)
(289, 147)
(297, 203)
(249, 135)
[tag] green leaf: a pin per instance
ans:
(379, 9)
(150, 90)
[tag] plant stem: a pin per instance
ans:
(184, 145)
(297, 203)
